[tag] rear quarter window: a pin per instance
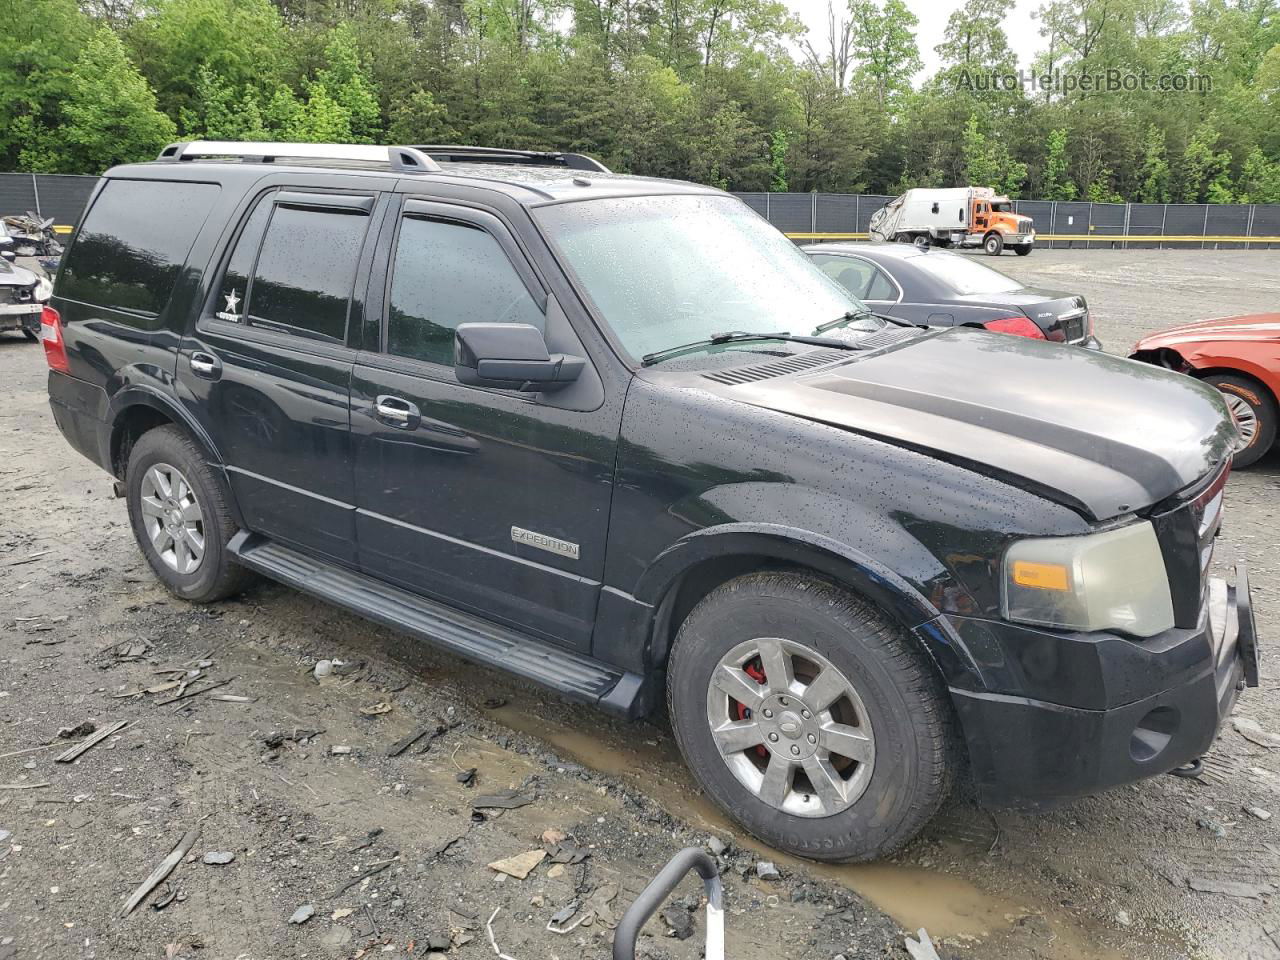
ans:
(132, 244)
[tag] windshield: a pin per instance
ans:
(665, 271)
(963, 275)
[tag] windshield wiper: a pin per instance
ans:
(859, 314)
(738, 336)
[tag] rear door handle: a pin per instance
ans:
(395, 411)
(205, 365)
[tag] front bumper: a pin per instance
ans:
(1033, 752)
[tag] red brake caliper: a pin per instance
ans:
(744, 712)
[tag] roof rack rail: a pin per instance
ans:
(461, 153)
(398, 159)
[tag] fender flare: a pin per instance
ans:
(136, 395)
(658, 585)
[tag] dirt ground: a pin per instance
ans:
(84, 628)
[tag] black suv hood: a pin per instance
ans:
(1100, 434)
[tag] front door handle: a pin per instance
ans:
(205, 365)
(395, 411)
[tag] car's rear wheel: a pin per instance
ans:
(178, 511)
(1254, 410)
(993, 244)
(810, 717)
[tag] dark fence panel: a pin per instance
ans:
(60, 196)
(65, 197)
(1146, 220)
(1184, 219)
(17, 194)
(1266, 222)
(791, 212)
(1106, 220)
(838, 213)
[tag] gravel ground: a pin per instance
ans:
(83, 627)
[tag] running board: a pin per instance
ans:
(571, 674)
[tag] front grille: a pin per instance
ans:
(1186, 529)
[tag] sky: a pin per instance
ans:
(932, 14)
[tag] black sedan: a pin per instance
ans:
(937, 288)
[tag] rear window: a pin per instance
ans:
(964, 276)
(133, 243)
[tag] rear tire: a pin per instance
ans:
(178, 511)
(993, 244)
(1255, 412)
(31, 335)
(845, 758)
(922, 241)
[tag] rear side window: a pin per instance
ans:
(306, 271)
(447, 274)
(133, 243)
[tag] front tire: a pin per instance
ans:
(810, 717)
(993, 244)
(178, 511)
(1254, 410)
(1024, 250)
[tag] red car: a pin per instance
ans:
(1238, 355)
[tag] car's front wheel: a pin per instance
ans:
(179, 515)
(1254, 411)
(810, 717)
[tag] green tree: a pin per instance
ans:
(1154, 172)
(778, 158)
(1056, 184)
(987, 162)
(110, 113)
(38, 43)
(345, 82)
(884, 48)
(1260, 179)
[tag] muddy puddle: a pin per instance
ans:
(948, 906)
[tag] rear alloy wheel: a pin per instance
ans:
(993, 244)
(922, 241)
(178, 511)
(810, 717)
(1254, 411)
(172, 517)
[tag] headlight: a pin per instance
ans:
(1114, 580)
(44, 290)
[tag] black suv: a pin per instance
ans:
(582, 427)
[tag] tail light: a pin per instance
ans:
(55, 350)
(1018, 326)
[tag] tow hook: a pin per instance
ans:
(1190, 769)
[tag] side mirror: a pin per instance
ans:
(510, 356)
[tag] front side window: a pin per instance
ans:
(306, 271)
(133, 243)
(669, 270)
(446, 274)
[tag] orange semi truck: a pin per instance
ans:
(955, 217)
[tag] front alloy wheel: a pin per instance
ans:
(809, 716)
(173, 518)
(791, 727)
